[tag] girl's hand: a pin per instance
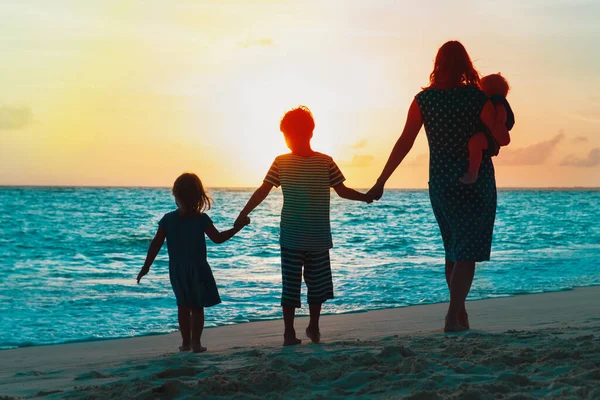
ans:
(241, 221)
(143, 272)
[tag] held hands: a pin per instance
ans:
(376, 191)
(241, 221)
(143, 272)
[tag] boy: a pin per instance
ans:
(305, 177)
(496, 87)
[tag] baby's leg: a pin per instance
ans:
(477, 144)
(183, 315)
(197, 328)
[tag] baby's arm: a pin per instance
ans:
(499, 131)
(220, 237)
(351, 194)
(257, 197)
(153, 250)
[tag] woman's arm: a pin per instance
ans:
(153, 250)
(257, 197)
(414, 122)
(350, 194)
(220, 237)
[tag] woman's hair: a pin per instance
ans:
(190, 195)
(452, 68)
(495, 84)
(297, 122)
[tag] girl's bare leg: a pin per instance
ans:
(183, 315)
(197, 328)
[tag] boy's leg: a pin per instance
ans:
(183, 316)
(477, 144)
(197, 328)
(291, 276)
(317, 275)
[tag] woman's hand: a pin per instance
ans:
(376, 191)
(142, 273)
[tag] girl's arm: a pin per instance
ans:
(221, 237)
(257, 197)
(351, 194)
(414, 122)
(153, 250)
(499, 130)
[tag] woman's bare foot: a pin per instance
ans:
(313, 334)
(463, 320)
(198, 348)
(291, 339)
(185, 347)
(469, 178)
(452, 325)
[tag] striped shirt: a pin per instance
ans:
(305, 183)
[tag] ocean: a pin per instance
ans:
(69, 258)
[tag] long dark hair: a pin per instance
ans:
(453, 68)
(190, 194)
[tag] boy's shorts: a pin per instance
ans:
(317, 276)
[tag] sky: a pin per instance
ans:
(133, 93)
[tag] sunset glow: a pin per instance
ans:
(132, 93)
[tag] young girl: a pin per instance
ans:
(191, 277)
(496, 88)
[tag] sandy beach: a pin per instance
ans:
(521, 347)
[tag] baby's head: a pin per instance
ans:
(495, 85)
(297, 126)
(190, 195)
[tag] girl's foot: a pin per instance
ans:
(197, 348)
(185, 348)
(469, 178)
(314, 336)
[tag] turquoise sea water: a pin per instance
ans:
(69, 258)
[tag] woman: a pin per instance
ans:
(451, 107)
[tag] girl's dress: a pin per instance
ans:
(191, 277)
(464, 213)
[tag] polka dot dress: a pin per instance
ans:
(464, 213)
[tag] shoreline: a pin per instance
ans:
(93, 340)
(115, 364)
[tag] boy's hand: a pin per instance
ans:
(376, 191)
(143, 272)
(241, 221)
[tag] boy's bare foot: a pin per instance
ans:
(185, 348)
(313, 335)
(291, 340)
(197, 348)
(469, 178)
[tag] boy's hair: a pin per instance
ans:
(495, 84)
(190, 194)
(297, 122)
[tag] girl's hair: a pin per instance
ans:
(495, 84)
(190, 195)
(452, 68)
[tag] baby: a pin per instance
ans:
(496, 88)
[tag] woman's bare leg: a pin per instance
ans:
(460, 281)
(183, 316)
(197, 328)
(463, 317)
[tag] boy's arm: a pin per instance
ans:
(153, 250)
(499, 130)
(257, 197)
(351, 194)
(220, 237)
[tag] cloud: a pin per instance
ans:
(580, 139)
(359, 161)
(15, 117)
(536, 154)
(592, 160)
(360, 144)
(421, 159)
(266, 42)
